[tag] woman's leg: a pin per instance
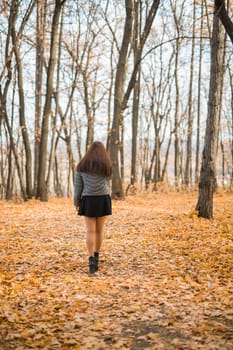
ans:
(90, 234)
(99, 232)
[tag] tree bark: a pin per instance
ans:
(188, 163)
(42, 192)
(207, 181)
(177, 20)
(17, 160)
(22, 119)
(117, 188)
(54, 117)
(197, 155)
(121, 98)
(225, 19)
(231, 127)
(136, 96)
(4, 91)
(40, 34)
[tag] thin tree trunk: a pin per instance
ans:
(110, 98)
(17, 160)
(231, 129)
(90, 117)
(40, 34)
(22, 119)
(3, 181)
(197, 156)
(57, 182)
(156, 177)
(54, 117)
(176, 122)
(136, 96)
(9, 187)
(4, 93)
(188, 163)
(223, 162)
(164, 171)
(121, 149)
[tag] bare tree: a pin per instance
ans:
(177, 20)
(188, 162)
(19, 66)
(207, 181)
(15, 36)
(231, 125)
(117, 190)
(42, 192)
(40, 47)
(197, 154)
(121, 97)
(136, 95)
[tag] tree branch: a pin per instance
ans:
(223, 16)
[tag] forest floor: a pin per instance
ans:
(165, 279)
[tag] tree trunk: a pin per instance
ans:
(121, 98)
(42, 192)
(136, 96)
(89, 112)
(4, 92)
(54, 117)
(156, 177)
(225, 19)
(117, 189)
(197, 155)
(111, 86)
(176, 123)
(164, 171)
(231, 129)
(17, 161)
(9, 186)
(223, 162)
(40, 33)
(22, 120)
(133, 176)
(188, 163)
(207, 181)
(121, 149)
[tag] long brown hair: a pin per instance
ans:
(96, 161)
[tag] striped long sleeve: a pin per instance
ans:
(89, 185)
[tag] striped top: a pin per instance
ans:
(86, 184)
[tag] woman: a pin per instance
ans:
(92, 199)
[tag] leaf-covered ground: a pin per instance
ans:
(165, 278)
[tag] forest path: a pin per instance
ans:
(165, 279)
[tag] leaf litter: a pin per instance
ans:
(165, 279)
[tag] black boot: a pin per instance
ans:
(96, 256)
(92, 267)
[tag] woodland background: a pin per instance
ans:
(135, 75)
(153, 81)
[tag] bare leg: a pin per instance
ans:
(90, 234)
(99, 232)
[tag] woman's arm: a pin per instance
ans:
(78, 186)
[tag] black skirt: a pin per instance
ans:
(95, 206)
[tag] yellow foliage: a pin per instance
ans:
(164, 281)
(193, 214)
